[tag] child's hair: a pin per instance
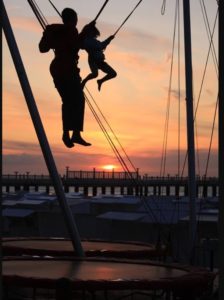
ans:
(89, 30)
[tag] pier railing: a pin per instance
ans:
(106, 175)
(95, 180)
(101, 175)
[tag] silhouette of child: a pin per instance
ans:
(96, 57)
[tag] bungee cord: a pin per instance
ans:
(37, 13)
(122, 24)
(125, 168)
(125, 20)
(55, 8)
(40, 12)
(120, 159)
(103, 116)
(116, 152)
(102, 8)
(166, 126)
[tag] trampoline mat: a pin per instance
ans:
(104, 274)
(64, 247)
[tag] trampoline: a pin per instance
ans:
(69, 275)
(92, 248)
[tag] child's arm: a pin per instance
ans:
(107, 41)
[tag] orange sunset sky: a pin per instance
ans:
(134, 103)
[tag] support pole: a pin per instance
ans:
(1, 198)
(221, 151)
(69, 220)
(190, 128)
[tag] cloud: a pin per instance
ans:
(178, 94)
(150, 162)
(130, 39)
(23, 163)
(26, 24)
(28, 157)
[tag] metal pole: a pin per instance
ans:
(1, 221)
(190, 127)
(221, 151)
(69, 220)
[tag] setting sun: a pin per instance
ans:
(109, 167)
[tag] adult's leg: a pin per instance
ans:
(62, 90)
(79, 99)
(73, 104)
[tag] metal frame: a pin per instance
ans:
(24, 82)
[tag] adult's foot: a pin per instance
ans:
(80, 140)
(67, 141)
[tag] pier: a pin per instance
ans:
(99, 182)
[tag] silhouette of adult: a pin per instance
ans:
(64, 40)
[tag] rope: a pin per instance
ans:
(55, 8)
(37, 14)
(103, 116)
(166, 127)
(176, 210)
(211, 46)
(209, 33)
(211, 139)
(105, 3)
(122, 24)
(116, 152)
(40, 12)
(125, 168)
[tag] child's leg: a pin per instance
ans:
(87, 78)
(110, 73)
(92, 75)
